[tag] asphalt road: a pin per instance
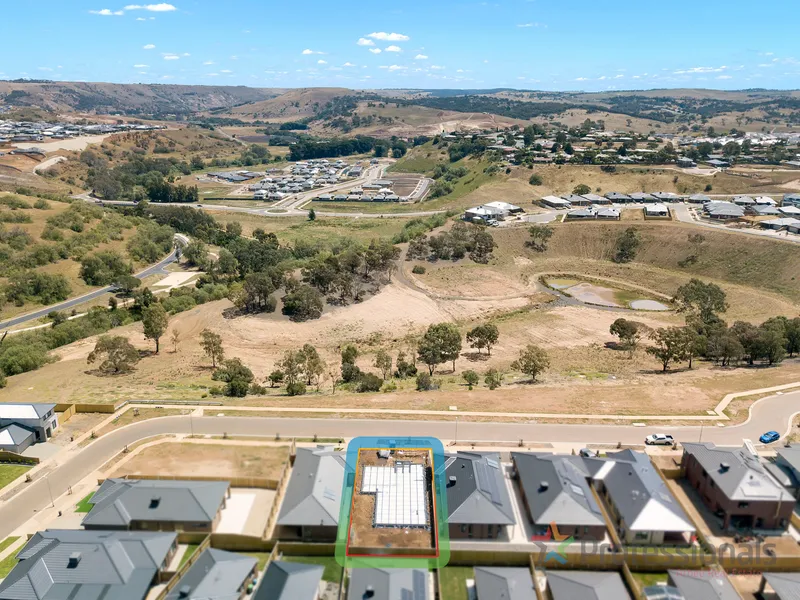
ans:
(67, 304)
(775, 412)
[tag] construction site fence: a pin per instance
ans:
(236, 482)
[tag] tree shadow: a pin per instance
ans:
(616, 346)
(233, 313)
(475, 356)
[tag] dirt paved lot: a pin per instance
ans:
(362, 531)
(188, 459)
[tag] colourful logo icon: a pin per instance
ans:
(560, 553)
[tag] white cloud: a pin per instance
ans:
(602, 78)
(348, 64)
(322, 62)
(700, 70)
(141, 66)
(209, 62)
(437, 67)
(149, 47)
(141, 19)
(389, 37)
(394, 67)
(309, 51)
(171, 57)
(107, 12)
(394, 49)
(212, 74)
(226, 71)
(375, 50)
(420, 57)
(766, 65)
(166, 77)
(365, 42)
(724, 77)
(163, 7)
(45, 69)
(185, 54)
(582, 79)
(620, 76)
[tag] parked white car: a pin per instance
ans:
(659, 439)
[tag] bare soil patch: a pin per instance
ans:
(207, 460)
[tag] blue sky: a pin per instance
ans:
(530, 44)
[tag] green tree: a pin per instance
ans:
(471, 377)
(116, 353)
(312, 215)
(383, 362)
(724, 347)
(441, 343)
(627, 245)
(749, 337)
(483, 245)
(772, 344)
(668, 346)
(532, 361)
(196, 253)
(292, 367)
(425, 382)
(793, 336)
(127, 284)
(701, 300)
(211, 343)
(692, 344)
(275, 377)
(540, 235)
(236, 375)
(227, 263)
(303, 304)
(629, 334)
(103, 268)
(535, 179)
(404, 368)
(483, 336)
(350, 372)
(493, 379)
(311, 363)
(581, 189)
(154, 322)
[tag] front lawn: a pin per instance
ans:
(453, 582)
(9, 473)
(84, 506)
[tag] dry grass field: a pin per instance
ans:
(207, 460)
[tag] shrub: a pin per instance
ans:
(425, 382)
(298, 388)
(368, 382)
(418, 270)
(257, 390)
(216, 391)
(389, 386)
(535, 179)
(709, 187)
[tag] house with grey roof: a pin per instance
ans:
(16, 438)
(780, 223)
(698, 198)
(595, 199)
(390, 584)
(783, 586)
(504, 583)
(618, 197)
(157, 505)
(763, 210)
(642, 197)
(478, 501)
(556, 491)
(576, 200)
(735, 484)
(41, 419)
(786, 468)
(791, 200)
(90, 565)
(586, 585)
(640, 505)
(216, 574)
(703, 585)
(290, 581)
(723, 210)
(310, 507)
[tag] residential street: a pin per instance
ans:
(770, 413)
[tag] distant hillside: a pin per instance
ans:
(129, 99)
(303, 102)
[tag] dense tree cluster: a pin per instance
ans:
(463, 239)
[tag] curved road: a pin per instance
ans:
(768, 413)
(151, 270)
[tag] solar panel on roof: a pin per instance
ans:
(329, 494)
(492, 463)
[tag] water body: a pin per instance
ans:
(648, 305)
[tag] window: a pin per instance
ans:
(641, 535)
(463, 529)
(744, 504)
